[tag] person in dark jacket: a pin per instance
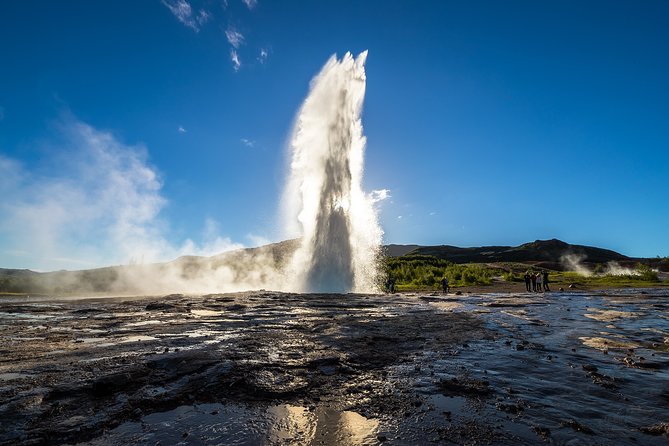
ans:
(444, 285)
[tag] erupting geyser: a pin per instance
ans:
(340, 233)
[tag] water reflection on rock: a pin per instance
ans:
(321, 426)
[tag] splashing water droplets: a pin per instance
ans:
(336, 219)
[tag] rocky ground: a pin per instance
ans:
(274, 368)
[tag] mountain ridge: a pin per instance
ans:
(552, 250)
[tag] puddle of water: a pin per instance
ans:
(128, 314)
(246, 425)
(608, 315)
(601, 343)
(92, 330)
(219, 335)
(12, 376)
(335, 428)
(447, 306)
(25, 316)
(54, 352)
(143, 323)
(449, 405)
(207, 312)
(26, 338)
(137, 338)
(125, 340)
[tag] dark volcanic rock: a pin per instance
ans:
(656, 429)
(575, 425)
(159, 306)
(464, 387)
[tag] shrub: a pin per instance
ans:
(416, 272)
(646, 273)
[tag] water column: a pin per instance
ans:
(340, 234)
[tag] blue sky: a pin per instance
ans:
(133, 131)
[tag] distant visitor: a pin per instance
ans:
(444, 285)
(390, 285)
(546, 281)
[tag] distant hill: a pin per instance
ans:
(551, 251)
(399, 250)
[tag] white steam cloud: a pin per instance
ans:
(615, 269)
(99, 203)
(574, 262)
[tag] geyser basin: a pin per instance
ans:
(340, 233)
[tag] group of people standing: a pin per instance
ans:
(536, 281)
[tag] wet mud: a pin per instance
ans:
(273, 368)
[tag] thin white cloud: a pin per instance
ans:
(250, 3)
(264, 54)
(183, 11)
(399, 217)
(234, 57)
(181, 129)
(203, 17)
(248, 142)
(100, 204)
(379, 195)
(433, 213)
(235, 38)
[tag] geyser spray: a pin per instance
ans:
(340, 234)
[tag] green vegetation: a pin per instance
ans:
(426, 272)
(511, 276)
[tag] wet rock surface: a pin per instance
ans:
(273, 368)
